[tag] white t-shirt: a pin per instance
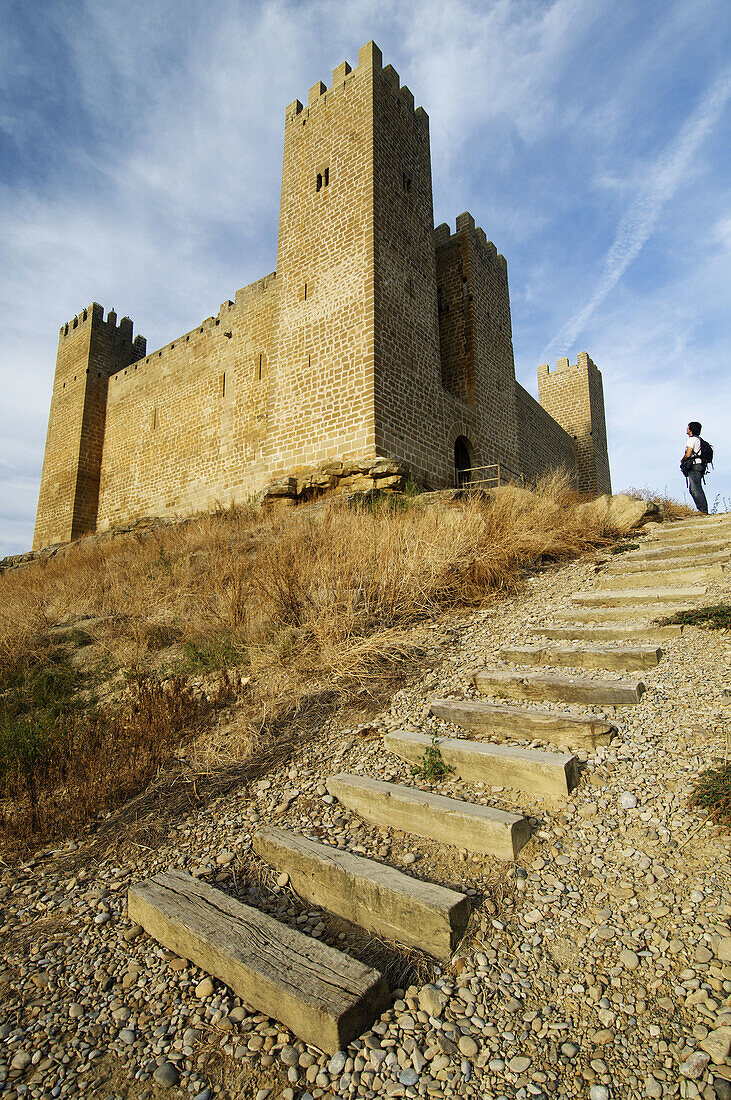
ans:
(695, 447)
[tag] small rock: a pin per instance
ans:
(283, 879)
(204, 989)
(627, 801)
(603, 1037)
(468, 1046)
(629, 959)
(722, 1088)
(718, 1045)
(694, 1066)
(133, 933)
(653, 1088)
(432, 1000)
(167, 1075)
(336, 1065)
(21, 1060)
(409, 858)
(408, 1077)
(519, 1064)
(598, 1092)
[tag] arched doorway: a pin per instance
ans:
(462, 462)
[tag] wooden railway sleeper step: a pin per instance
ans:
(447, 820)
(663, 598)
(568, 731)
(372, 895)
(324, 996)
(542, 774)
(555, 688)
(624, 658)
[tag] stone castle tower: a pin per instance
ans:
(377, 335)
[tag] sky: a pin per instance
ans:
(140, 161)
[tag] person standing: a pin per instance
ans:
(695, 471)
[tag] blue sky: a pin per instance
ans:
(140, 158)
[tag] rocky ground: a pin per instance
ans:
(598, 965)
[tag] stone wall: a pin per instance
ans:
(186, 426)
(544, 444)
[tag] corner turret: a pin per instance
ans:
(574, 397)
(90, 350)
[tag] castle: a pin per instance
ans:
(377, 335)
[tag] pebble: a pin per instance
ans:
(167, 1075)
(204, 989)
(468, 1046)
(336, 1065)
(629, 959)
(694, 1066)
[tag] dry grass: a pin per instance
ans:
(312, 605)
(671, 507)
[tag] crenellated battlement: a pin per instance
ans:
(466, 228)
(370, 60)
(584, 364)
(94, 315)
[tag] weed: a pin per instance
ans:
(61, 775)
(212, 654)
(622, 548)
(712, 792)
(431, 765)
(717, 617)
(720, 505)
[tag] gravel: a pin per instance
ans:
(599, 965)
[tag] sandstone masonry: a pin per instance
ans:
(378, 336)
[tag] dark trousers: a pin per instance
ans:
(696, 490)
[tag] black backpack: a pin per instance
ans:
(706, 454)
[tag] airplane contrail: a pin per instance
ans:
(639, 221)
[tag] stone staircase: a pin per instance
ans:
(325, 996)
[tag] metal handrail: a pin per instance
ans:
(503, 476)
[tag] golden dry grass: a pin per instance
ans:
(310, 604)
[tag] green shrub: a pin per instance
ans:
(717, 617)
(212, 654)
(712, 792)
(431, 765)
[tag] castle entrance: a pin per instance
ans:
(462, 462)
